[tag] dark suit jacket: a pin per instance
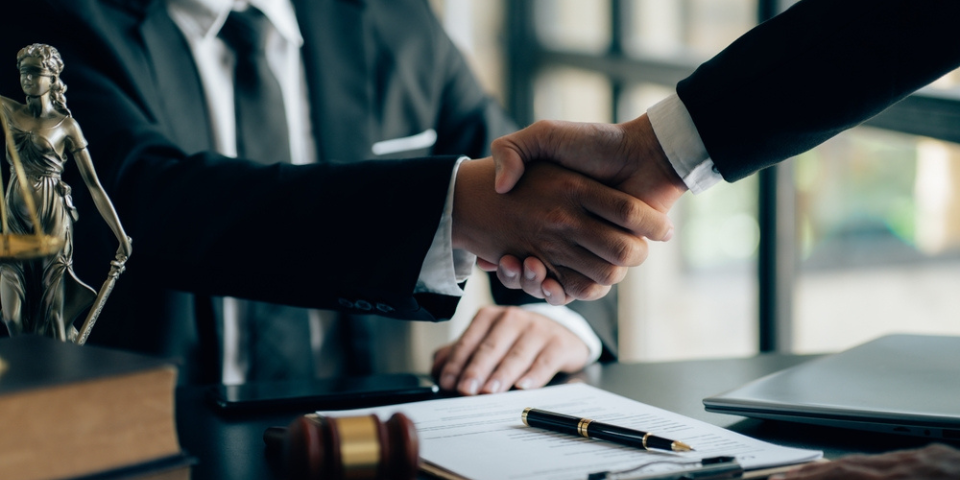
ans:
(819, 68)
(318, 236)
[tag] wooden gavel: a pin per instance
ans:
(315, 447)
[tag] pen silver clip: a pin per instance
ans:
(712, 468)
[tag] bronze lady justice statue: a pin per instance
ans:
(43, 295)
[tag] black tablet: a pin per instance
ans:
(324, 394)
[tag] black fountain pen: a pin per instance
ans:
(586, 427)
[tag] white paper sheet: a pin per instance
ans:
(483, 438)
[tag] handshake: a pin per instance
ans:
(577, 202)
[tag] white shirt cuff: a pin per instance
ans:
(681, 142)
(574, 322)
(444, 267)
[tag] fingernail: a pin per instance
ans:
(669, 235)
(494, 386)
(448, 381)
(546, 293)
(509, 273)
(531, 275)
(524, 384)
(473, 386)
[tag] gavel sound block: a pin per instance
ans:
(317, 447)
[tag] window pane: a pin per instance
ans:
(696, 295)
(879, 228)
(949, 83)
(697, 29)
(572, 94)
(476, 27)
(635, 101)
(575, 25)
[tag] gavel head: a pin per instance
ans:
(317, 447)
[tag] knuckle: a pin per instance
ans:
(454, 363)
(576, 287)
(488, 313)
(451, 370)
(485, 348)
(547, 360)
(619, 274)
(512, 313)
(484, 309)
(630, 212)
(475, 369)
(561, 220)
(459, 354)
(539, 329)
(516, 319)
(517, 355)
(570, 185)
(473, 372)
(610, 275)
(630, 252)
(593, 292)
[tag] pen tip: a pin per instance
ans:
(680, 447)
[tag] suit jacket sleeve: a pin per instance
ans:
(321, 236)
(819, 68)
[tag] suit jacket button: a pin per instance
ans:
(383, 307)
(345, 303)
(363, 305)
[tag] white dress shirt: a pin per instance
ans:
(682, 143)
(444, 267)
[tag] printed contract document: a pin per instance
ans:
(483, 438)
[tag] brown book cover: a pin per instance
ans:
(70, 411)
(176, 467)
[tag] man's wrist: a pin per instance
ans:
(652, 178)
(473, 180)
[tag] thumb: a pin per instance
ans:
(508, 165)
(536, 142)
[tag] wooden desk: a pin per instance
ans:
(231, 448)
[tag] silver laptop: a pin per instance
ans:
(906, 384)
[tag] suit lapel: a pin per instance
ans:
(336, 59)
(177, 81)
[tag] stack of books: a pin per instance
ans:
(72, 412)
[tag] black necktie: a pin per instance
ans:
(274, 339)
(262, 132)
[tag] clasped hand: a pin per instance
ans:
(584, 233)
(626, 157)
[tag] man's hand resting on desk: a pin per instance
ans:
(626, 156)
(586, 234)
(505, 347)
(935, 462)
